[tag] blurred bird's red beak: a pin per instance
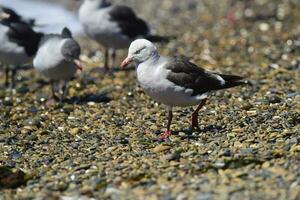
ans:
(126, 62)
(78, 64)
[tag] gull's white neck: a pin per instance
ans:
(153, 59)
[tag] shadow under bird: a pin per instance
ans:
(58, 59)
(19, 43)
(175, 81)
(113, 26)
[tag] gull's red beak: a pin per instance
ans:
(78, 64)
(126, 62)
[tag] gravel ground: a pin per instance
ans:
(101, 143)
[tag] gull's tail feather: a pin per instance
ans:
(232, 81)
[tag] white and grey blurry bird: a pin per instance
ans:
(175, 81)
(58, 58)
(113, 26)
(18, 42)
(15, 17)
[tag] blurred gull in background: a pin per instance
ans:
(50, 17)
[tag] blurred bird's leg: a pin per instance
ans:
(113, 56)
(53, 91)
(64, 90)
(195, 114)
(6, 76)
(231, 17)
(167, 133)
(13, 75)
(106, 59)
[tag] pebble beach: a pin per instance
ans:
(102, 141)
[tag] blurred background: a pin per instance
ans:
(64, 11)
(193, 21)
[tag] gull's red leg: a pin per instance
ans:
(195, 114)
(167, 133)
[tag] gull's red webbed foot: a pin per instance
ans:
(165, 135)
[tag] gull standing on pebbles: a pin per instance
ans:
(113, 26)
(18, 43)
(58, 59)
(175, 81)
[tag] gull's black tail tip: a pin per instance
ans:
(232, 81)
(159, 39)
(235, 83)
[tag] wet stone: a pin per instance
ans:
(7, 101)
(11, 179)
(205, 196)
(32, 122)
(161, 148)
(247, 106)
(15, 154)
(74, 131)
(23, 90)
(274, 99)
(219, 164)
(33, 109)
(172, 156)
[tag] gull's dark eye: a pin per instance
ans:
(139, 51)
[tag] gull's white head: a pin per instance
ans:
(140, 51)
